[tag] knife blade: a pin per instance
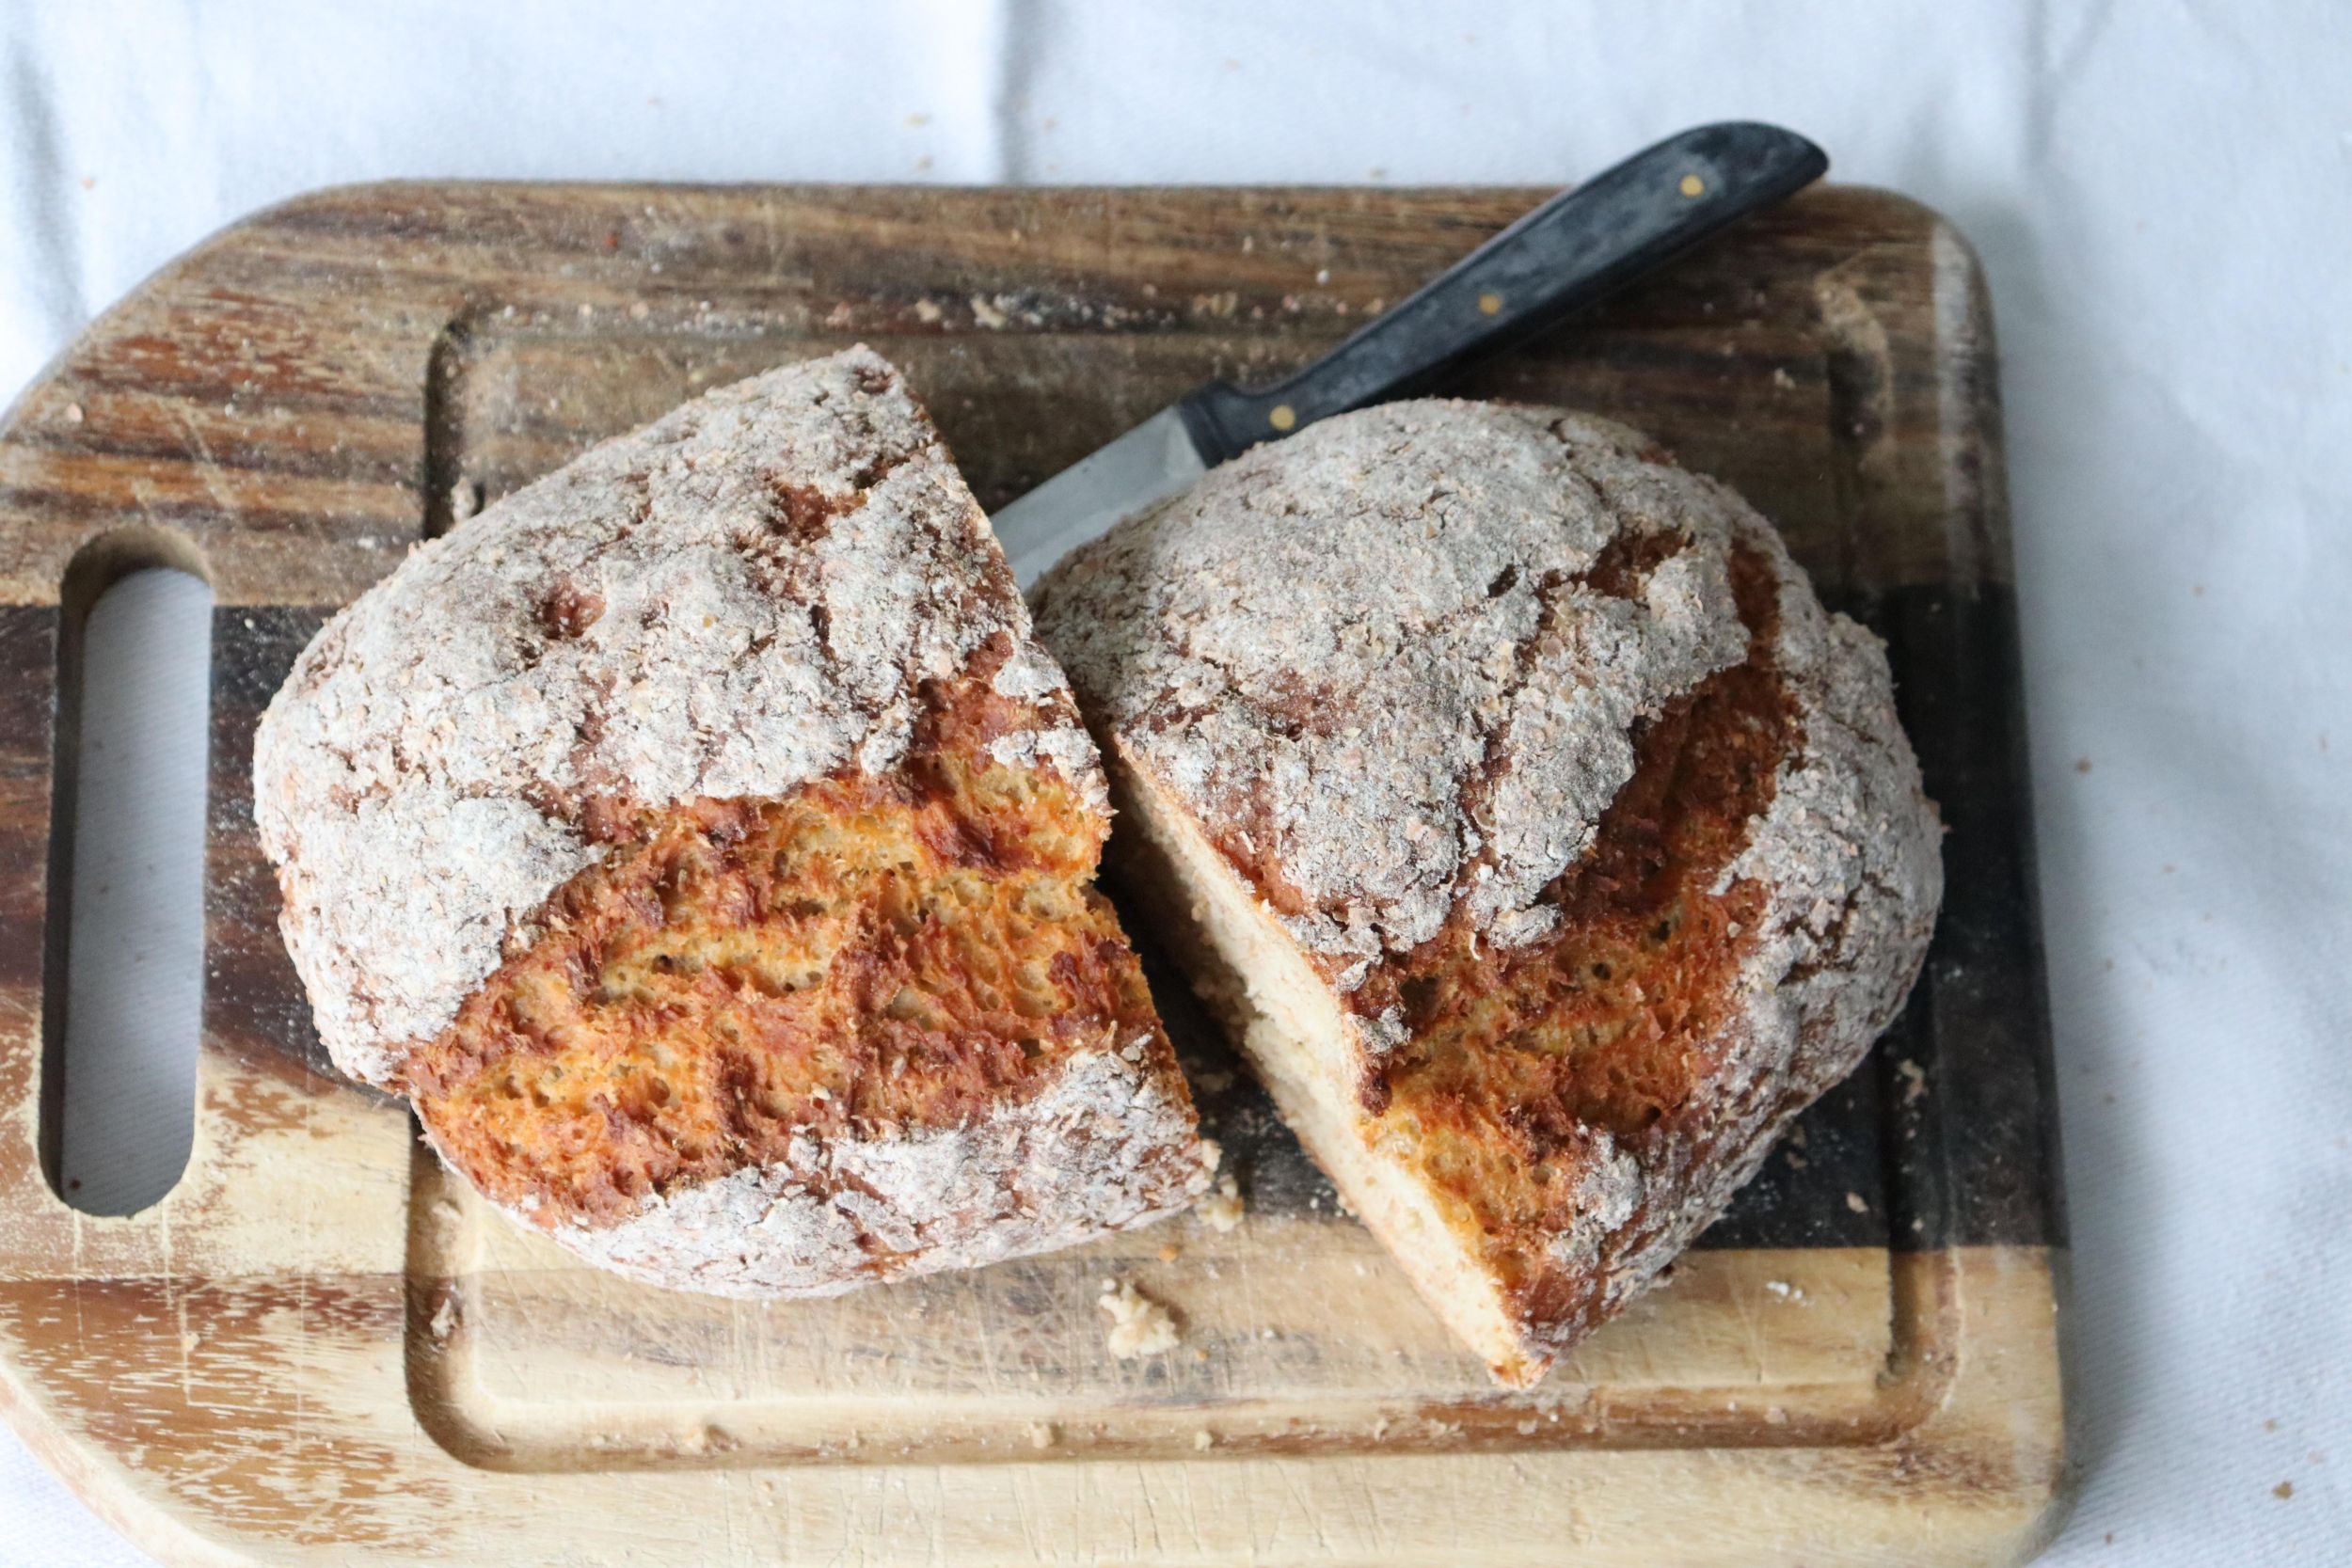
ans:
(1578, 247)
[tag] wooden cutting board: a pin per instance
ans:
(318, 1348)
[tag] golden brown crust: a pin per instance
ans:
(912, 952)
(1513, 1054)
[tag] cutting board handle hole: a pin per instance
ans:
(125, 970)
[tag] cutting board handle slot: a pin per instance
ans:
(123, 956)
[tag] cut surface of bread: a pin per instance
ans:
(1542, 840)
(749, 839)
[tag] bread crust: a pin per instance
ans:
(777, 584)
(741, 597)
(1396, 671)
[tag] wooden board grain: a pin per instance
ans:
(320, 1348)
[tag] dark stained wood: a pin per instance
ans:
(336, 1358)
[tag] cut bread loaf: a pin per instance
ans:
(700, 840)
(1509, 792)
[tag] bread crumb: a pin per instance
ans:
(1170, 1252)
(1220, 1208)
(1217, 1081)
(2285, 1490)
(1855, 1201)
(1042, 1434)
(927, 310)
(987, 314)
(1139, 1326)
(1212, 1154)
(1787, 1291)
(1204, 1441)
(74, 413)
(1915, 1080)
(444, 1317)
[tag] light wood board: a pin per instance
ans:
(319, 1349)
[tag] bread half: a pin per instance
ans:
(1544, 842)
(701, 842)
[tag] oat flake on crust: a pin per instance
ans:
(741, 597)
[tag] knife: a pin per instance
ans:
(1582, 244)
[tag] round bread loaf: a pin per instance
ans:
(1544, 841)
(701, 841)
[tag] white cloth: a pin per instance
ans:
(2163, 198)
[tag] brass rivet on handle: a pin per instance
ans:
(1283, 416)
(1488, 304)
(1692, 186)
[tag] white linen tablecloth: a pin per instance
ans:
(2161, 195)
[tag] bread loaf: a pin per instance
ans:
(1543, 840)
(699, 839)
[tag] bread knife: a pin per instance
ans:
(1583, 244)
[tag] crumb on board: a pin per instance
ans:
(1204, 1440)
(1787, 1291)
(1220, 1208)
(444, 1317)
(1042, 1434)
(1139, 1326)
(1855, 1202)
(1915, 1080)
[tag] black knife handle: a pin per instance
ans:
(1566, 254)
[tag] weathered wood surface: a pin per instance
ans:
(319, 1350)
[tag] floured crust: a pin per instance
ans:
(1372, 695)
(1107, 1146)
(701, 841)
(744, 597)
(1366, 708)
